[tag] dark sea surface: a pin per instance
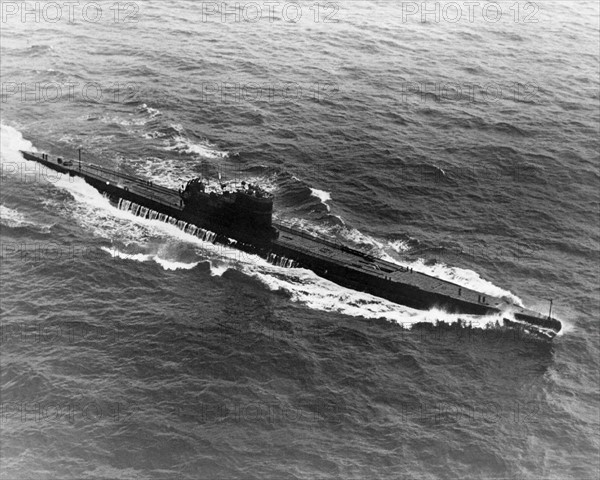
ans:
(131, 350)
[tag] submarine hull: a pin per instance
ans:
(290, 247)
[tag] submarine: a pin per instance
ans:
(241, 216)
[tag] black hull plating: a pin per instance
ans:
(287, 247)
(409, 295)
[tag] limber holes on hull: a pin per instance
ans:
(281, 261)
(148, 213)
(202, 234)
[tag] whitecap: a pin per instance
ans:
(144, 257)
(321, 195)
(12, 218)
(205, 149)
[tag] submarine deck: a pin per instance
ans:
(403, 275)
(292, 239)
(158, 193)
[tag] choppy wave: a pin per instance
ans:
(12, 218)
(323, 196)
(183, 144)
(128, 121)
(152, 112)
(11, 142)
(399, 246)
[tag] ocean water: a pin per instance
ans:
(468, 149)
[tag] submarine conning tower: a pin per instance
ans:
(245, 205)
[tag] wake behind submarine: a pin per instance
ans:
(241, 216)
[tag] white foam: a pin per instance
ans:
(306, 225)
(11, 142)
(167, 172)
(144, 257)
(11, 218)
(398, 246)
(218, 270)
(356, 236)
(185, 145)
(153, 112)
(173, 173)
(14, 165)
(153, 135)
(464, 277)
(116, 253)
(124, 122)
(307, 288)
(566, 327)
(172, 265)
(321, 195)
